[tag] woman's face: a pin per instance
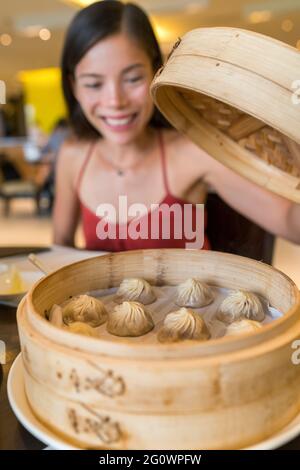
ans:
(112, 85)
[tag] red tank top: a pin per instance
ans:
(123, 239)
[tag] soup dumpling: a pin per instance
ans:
(194, 293)
(86, 309)
(183, 324)
(129, 319)
(241, 327)
(241, 304)
(135, 290)
(81, 328)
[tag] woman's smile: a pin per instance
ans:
(120, 123)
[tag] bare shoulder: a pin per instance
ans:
(183, 152)
(202, 164)
(72, 154)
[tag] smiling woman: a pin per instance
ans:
(87, 65)
(110, 57)
(114, 96)
(122, 145)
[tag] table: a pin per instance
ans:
(13, 436)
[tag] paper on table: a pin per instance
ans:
(56, 258)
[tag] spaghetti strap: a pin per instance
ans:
(163, 161)
(83, 167)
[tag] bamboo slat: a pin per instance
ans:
(228, 91)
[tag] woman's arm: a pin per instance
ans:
(66, 207)
(272, 212)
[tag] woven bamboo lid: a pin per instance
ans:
(233, 92)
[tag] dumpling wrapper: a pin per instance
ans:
(241, 304)
(241, 327)
(81, 328)
(135, 290)
(183, 324)
(86, 309)
(129, 319)
(194, 293)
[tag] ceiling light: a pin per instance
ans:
(5, 39)
(163, 33)
(260, 16)
(45, 34)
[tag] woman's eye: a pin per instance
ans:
(93, 85)
(134, 79)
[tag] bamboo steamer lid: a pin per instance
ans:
(233, 93)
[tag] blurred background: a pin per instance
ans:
(31, 38)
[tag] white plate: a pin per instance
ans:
(28, 278)
(22, 410)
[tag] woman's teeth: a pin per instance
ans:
(119, 122)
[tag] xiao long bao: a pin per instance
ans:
(78, 327)
(84, 308)
(241, 327)
(81, 328)
(129, 319)
(194, 293)
(241, 304)
(136, 290)
(184, 324)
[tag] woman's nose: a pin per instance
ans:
(115, 96)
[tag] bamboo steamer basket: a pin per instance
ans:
(233, 93)
(129, 393)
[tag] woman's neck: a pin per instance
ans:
(127, 154)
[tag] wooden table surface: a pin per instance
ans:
(13, 436)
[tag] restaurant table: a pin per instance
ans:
(13, 436)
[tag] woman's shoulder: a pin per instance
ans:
(172, 138)
(187, 161)
(182, 149)
(72, 146)
(73, 153)
(180, 142)
(71, 159)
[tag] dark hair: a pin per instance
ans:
(61, 122)
(90, 25)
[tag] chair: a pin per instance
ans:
(17, 188)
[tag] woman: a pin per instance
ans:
(123, 147)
